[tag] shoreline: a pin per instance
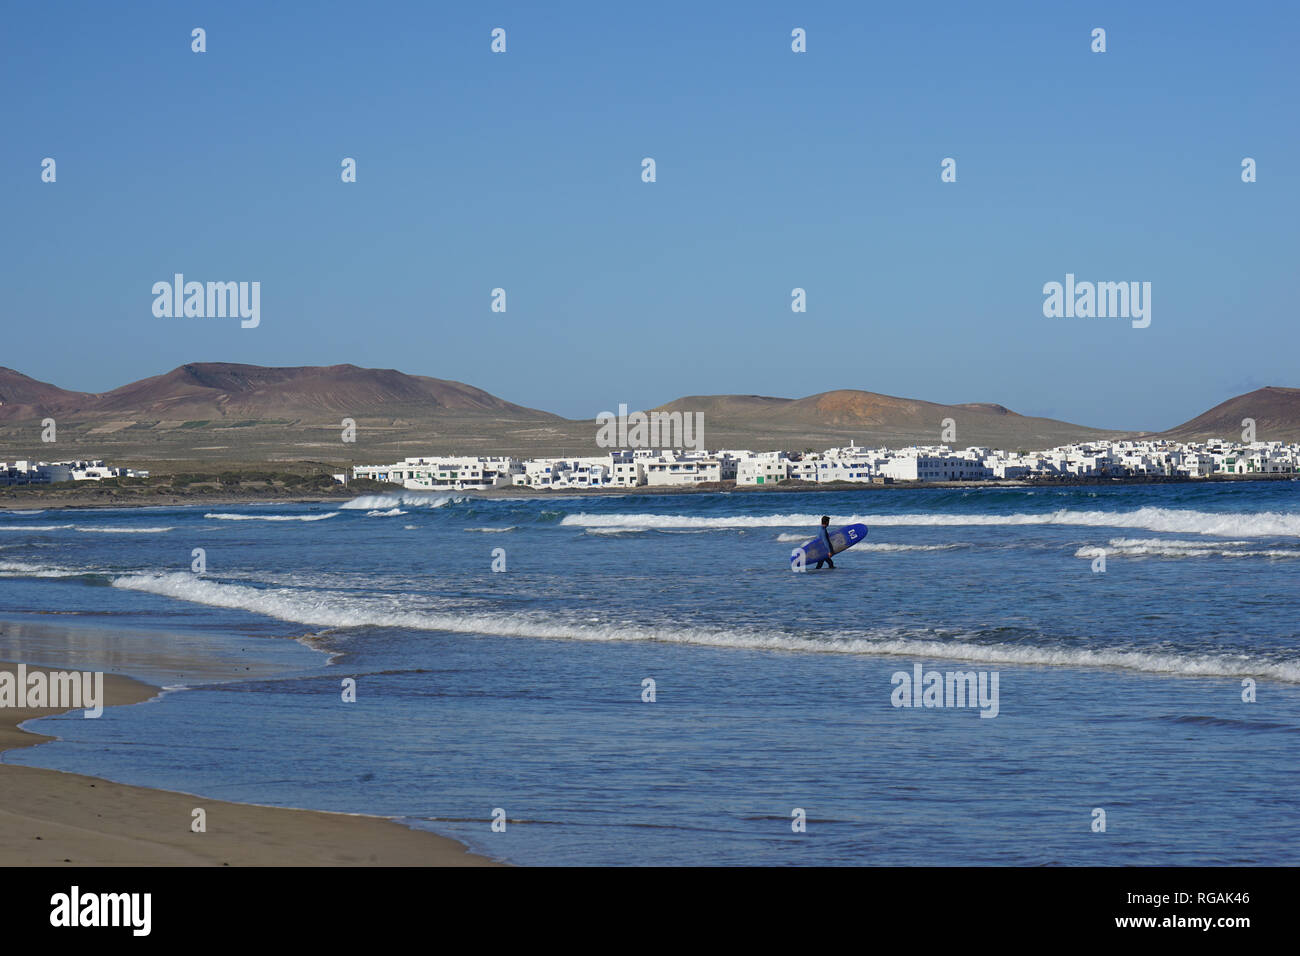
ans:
(60, 500)
(52, 817)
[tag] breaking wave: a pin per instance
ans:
(22, 569)
(1173, 548)
(123, 530)
(86, 529)
(1172, 520)
(883, 547)
(222, 516)
(408, 499)
(887, 547)
(322, 610)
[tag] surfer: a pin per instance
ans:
(826, 536)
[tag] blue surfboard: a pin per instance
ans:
(814, 549)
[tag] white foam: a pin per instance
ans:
(1173, 543)
(1267, 553)
(87, 529)
(1174, 548)
(887, 547)
(492, 530)
(221, 516)
(880, 547)
(390, 513)
(22, 569)
(1172, 520)
(400, 499)
(318, 609)
(123, 530)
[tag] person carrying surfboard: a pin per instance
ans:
(826, 536)
(821, 547)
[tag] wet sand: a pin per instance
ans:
(51, 818)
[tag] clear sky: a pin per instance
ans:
(775, 170)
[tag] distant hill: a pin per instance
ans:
(870, 418)
(22, 396)
(222, 390)
(217, 390)
(241, 414)
(232, 415)
(1276, 412)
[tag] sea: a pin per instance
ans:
(641, 679)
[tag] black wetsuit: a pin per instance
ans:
(826, 535)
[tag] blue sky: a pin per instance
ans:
(775, 170)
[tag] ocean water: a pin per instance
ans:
(774, 693)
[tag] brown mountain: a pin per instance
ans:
(869, 418)
(241, 414)
(1276, 412)
(21, 396)
(220, 390)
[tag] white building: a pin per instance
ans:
(767, 469)
(27, 472)
(454, 474)
(672, 469)
(845, 469)
(625, 470)
(935, 464)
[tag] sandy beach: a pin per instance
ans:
(50, 818)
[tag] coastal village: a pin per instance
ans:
(636, 468)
